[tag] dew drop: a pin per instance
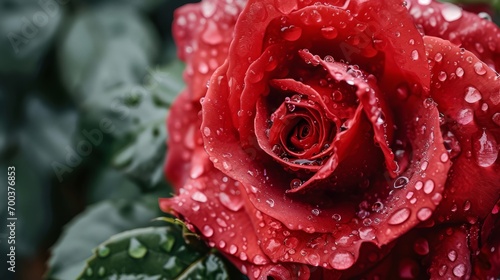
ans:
(329, 32)
(459, 270)
(424, 213)
(259, 260)
(460, 72)
(452, 255)
(414, 55)
(136, 249)
(496, 118)
(101, 271)
(465, 116)
(467, 205)
(451, 12)
(295, 183)
(232, 204)
(208, 231)
(367, 233)
(270, 202)
(336, 217)
(421, 246)
(103, 251)
(206, 131)
(485, 149)
(444, 157)
(472, 95)
(315, 212)
(442, 76)
(342, 260)
(291, 33)
(401, 182)
(429, 186)
(313, 259)
(438, 57)
(199, 196)
(399, 217)
(479, 68)
(233, 249)
(89, 272)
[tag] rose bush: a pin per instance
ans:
(339, 139)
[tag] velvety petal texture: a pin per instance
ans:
(339, 139)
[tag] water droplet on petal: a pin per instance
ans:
(399, 217)
(465, 116)
(472, 95)
(291, 33)
(452, 255)
(485, 149)
(496, 118)
(442, 76)
(401, 182)
(479, 68)
(424, 213)
(232, 204)
(259, 260)
(233, 249)
(270, 202)
(329, 32)
(206, 131)
(421, 246)
(467, 205)
(367, 233)
(414, 55)
(136, 249)
(429, 186)
(313, 259)
(199, 196)
(208, 231)
(460, 72)
(459, 270)
(342, 260)
(451, 12)
(438, 57)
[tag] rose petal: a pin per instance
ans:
(223, 221)
(183, 124)
(244, 69)
(487, 262)
(203, 32)
(450, 254)
(469, 102)
(462, 28)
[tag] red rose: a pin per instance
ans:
(333, 140)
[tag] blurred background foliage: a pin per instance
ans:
(85, 87)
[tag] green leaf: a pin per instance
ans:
(144, 4)
(93, 226)
(153, 253)
(142, 150)
(28, 29)
(106, 47)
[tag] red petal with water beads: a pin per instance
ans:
(468, 95)
(215, 206)
(487, 261)
(468, 30)
(269, 33)
(183, 125)
(202, 33)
